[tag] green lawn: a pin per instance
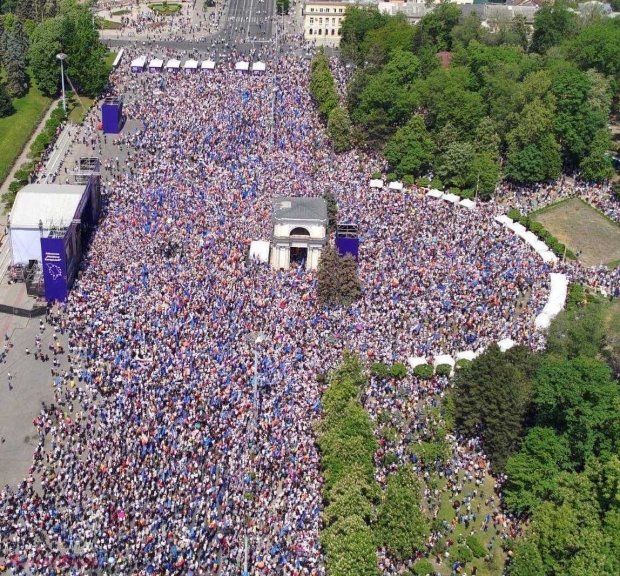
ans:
(15, 130)
(121, 12)
(76, 112)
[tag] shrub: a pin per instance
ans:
(391, 177)
(477, 549)
(437, 183)
(443, 370)
(389, 433)
(23, 175)
(398, 370)
(408, 180)
(15, 186)
(42, 140)
(525, 221)
(514, 214)
(462, 363)
(536, 227)
(455, 190)
(379, 370)
(424, 371)
(389, 458)
(51, 126)
(423, 568)
(463, 554)
(467, 193)
(384, 417)
(376, 176)
(423, 182)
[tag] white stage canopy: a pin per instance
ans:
(156, 63)
(465, 355)
(259, 67)
(208, 65)
(173, 64)
(395, 186)
(503, 219)
(242, 66)
(376, 183)
(434, 193)
(191, 65)
(259, 249)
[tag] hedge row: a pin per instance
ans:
(37, 148)
(559, 249)
(350, 492)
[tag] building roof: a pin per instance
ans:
(49, 203)
(298, 208)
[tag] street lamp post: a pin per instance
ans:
(61, 57)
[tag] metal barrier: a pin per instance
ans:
(23, 312)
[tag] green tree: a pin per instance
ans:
(553, 23)
(435, 28)
(410, 150)
(533, 471)
(332, 209)
(322, 85)
(352, 495)
(357, 23)
(349, 548)
(527, 560)
(349, 282)
(596, 166)
(492, 399)
(577, 397)
(487, 140)
(483, 176)
(379, 43)
(339, 129)
(401, 527)
(527, 165)
(327, 277)
(46, 43)
(283, 6)
(6, 105)
(15, 60)
(454, 167)
(468, 29)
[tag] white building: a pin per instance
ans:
(299, 232)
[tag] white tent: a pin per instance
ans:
(540, 246)
(518, 228)
(465, 355)
(558, 291)
(416, 361)
(395, 186)
(530, 238)
(548, 257)
(173, 64)
(208, 65)
(467, 203)
(503, 219)
(452, 198)
(434, 193)
(443, 359)
(191, 65)
(376, 183)
(506, 344)
(118, 58)
(138, 64)
(156, 64)
(259, 66)
(259, 249)
(242, 66)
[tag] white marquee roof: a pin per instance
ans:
(377, 183)
(208, 65)
(138, 62)
(434, 193)
(156, 63)
(191, 65)
(242, 66)
(48, 203)
(259, 67)
(259, 249)
(173, 63)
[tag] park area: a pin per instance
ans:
(581, 227)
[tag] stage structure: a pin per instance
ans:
(112, 115)
(347, 239)
(299, 232)
(48, 227)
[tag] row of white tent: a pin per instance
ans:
(157, 65)
(558, 283)
(452, 198)
(446, 359)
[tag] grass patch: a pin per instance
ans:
(581, 227)
(121, 12)
(76, 112)
(165, 9)
(613, 264)
(103, 24)
(17, 128)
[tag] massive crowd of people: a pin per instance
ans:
(154, 458)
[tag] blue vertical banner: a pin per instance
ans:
(54, 269)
